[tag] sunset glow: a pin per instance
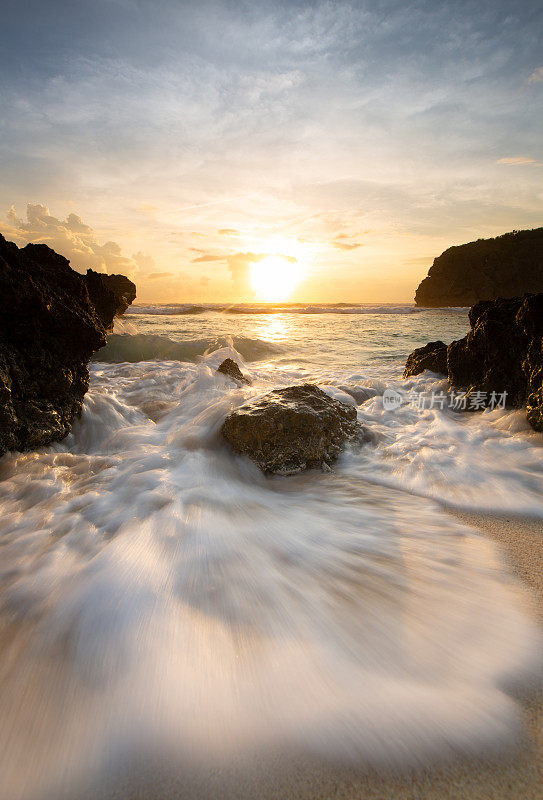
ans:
(192, 160)
(274, 279)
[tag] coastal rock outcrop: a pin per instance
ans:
(504, 267)
(490, 358)
(232, 370)
(292, 429)
(49, 329)
(110, 294)
(432, 356)
(502, 353)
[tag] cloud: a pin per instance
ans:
(208, 257)
(144, 261)
(517, 161)
(228, 232)
(346, 245)
(536, 76)
(156, 276)
(72, 238)
(340, 241)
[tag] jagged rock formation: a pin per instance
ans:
(432, 356)
(292, 429)
(111, 294)
(49, 329)
(503, 352)
(507, 266)
(232, 370)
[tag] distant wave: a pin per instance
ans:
(151, 347)
(175, 309)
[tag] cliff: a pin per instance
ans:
(49, 328)
(507, 266)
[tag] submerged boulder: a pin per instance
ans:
(49, 328)
(232, 370)
(292, 429)
(432, 356)
(111, 294)
(501, 356)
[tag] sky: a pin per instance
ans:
(241, 151)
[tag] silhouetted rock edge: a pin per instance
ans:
(506, 266)
(49, 328)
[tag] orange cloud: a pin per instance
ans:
(70, 237)
(208, 257)
(517, 161)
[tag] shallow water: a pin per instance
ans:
(161, 596)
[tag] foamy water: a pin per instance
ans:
(165, 601)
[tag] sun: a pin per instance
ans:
(274, 278)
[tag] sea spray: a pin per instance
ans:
(165, 597)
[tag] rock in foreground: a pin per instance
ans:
(507, 266)
(49, 328)
(432, 356)
(292, 429)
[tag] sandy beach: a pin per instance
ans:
(520, 775)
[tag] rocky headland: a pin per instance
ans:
(504, 267)
(52, 319)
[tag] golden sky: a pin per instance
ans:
(226, 152)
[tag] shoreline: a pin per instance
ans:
(518, 775)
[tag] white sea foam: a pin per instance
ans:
(485, 461)
(149, 346)
(164, 596)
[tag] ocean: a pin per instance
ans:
(173, 609)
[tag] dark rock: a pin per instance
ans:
(432, 356)
(490, 358)
(111, 294)
(507, 266)
(48, 330)
(503, 352)
(293, 429)
(231, 369)
(530, 321)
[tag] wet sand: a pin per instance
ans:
(517, 774)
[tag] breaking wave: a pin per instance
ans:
(151, 347)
